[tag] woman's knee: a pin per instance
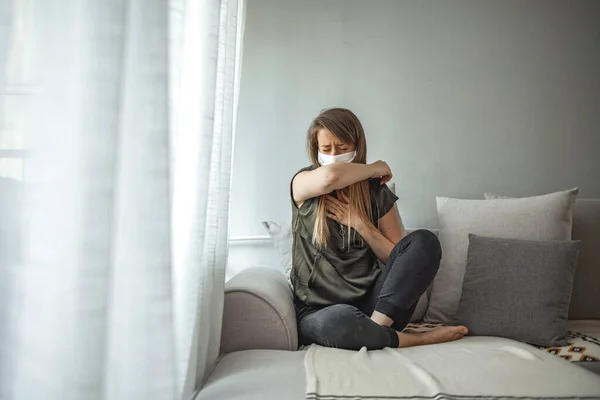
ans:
(329, 319)
(426, 240)
(330, 326)
(338, 316)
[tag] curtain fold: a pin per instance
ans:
(119, 290)
(204, 103)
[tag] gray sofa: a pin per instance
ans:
(259, 336)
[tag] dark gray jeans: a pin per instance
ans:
(410, 269)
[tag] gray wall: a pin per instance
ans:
(459, 97)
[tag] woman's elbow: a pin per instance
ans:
(329, 180)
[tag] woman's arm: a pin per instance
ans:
(326, 179)
(382, 242)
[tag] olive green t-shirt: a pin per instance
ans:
(339, 273)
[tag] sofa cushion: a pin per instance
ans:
(472, 365)
(546, 217)
(585, 300)
(470, 368)
(518, 289)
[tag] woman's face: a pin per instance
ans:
(332, 146)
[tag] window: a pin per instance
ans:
(17, 91)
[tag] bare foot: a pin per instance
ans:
(445, 334)
(442, 334)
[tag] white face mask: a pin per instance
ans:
(325, 159)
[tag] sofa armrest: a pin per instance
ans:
(258, 312)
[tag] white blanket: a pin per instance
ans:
(471, 368)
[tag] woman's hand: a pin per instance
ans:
(337, 210)
(381, 170)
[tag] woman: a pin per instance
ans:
(343, 221)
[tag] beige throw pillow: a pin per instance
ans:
(547, 217)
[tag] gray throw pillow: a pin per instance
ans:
(585, 300)
(518, 289)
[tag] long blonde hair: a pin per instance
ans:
(346, 127)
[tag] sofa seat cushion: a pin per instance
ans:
(278, 374)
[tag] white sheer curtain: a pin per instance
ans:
(119, 292)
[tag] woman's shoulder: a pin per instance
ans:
(303, 169)
(308, 207)
(382, 197)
